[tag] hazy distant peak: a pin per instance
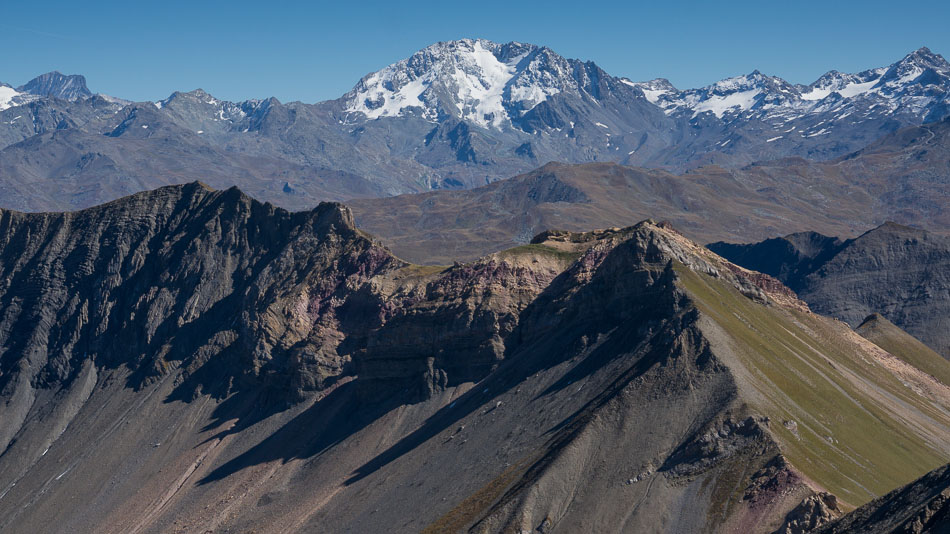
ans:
(57, 85)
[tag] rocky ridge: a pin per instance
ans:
(194, 360)
(57, 85)
(922, 506)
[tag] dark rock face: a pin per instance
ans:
(921, 507)
(790, 258)
(897, 271)
(460, 327)
(232, 293)
(450, 331)
(210, 294)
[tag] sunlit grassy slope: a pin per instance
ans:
(893, 339)
(849, 416)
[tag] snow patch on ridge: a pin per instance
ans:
(849, 90)
(719, 105)
(7, 95)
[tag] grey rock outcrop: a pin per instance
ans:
(921, 507)
(57, 85)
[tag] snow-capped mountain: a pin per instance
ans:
(487, 84)
(517, 87)
(915, 85)
(846, 85)
(724, 98)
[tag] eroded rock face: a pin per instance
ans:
(449, 330)
(771, 481)
(231, 293)
(812, 513)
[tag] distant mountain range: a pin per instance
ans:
(914, 86)
(454, 115)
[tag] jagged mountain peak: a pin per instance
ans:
(917, 84)
(464, 78)
(58, 85)
(753, 80)
(202, 113)
(654, 84)
(923, 57)
(731, 96)
(919, 68)
(195, 96)
(485, 83)
(198, 93)
(653, 89)
(845, 84)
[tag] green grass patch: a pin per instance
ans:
(802, 369)
(542, 250)
(906, 347)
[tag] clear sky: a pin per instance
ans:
(312, 51)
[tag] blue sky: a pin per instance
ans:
(313, 51)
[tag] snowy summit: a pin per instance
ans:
(479, 81)
(914, 84)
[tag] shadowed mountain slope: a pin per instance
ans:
(191, 360)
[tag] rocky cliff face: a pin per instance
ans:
(57, 85)
(223, 291)
(193, 361)
(897, 271)
(922, 506)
